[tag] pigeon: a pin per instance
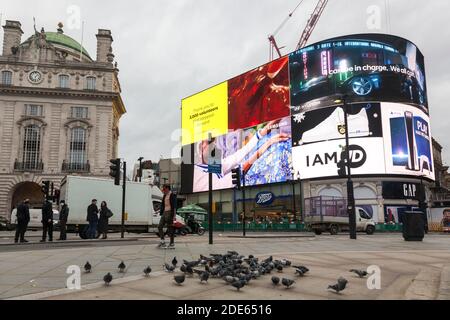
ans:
(174, 261)
(204, 277)
(301, 271)
(87, 267)
(147, 271)
(280, 268)
(107, 278)
(179, 279)
(287, 282)
(339, 286)
(275, 280)
(238, 284)
(122, 267)
(360, 273)
(168, 267)
(302, 268)
(229, 279)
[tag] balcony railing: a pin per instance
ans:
(75, 167)
(28, 166)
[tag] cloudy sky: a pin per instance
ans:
(170, 49)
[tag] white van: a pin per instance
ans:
(35, 218)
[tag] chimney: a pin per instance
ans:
(104, 41)
(12, 36)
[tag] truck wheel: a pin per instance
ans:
(82, 232)
(370, 229)
(318, 232)
(334, 229)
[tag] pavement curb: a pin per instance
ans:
(31, 244)
(95, 285)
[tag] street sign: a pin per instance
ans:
(215, 168)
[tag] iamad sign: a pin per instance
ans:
(288, 114)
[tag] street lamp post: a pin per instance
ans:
(302, 199)
(293, 196)
(350, 190)
(140, 168)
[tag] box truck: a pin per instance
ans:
(142, 203)
(324, 214)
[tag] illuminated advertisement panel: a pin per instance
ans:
(205, 112)
(263, 152)
(259, 95)
(407, 141)
(362, 67)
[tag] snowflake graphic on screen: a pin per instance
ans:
(299, 117)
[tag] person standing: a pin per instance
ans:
(63, 216)
(103, 222)
(23, 218)
(167, 213)
(47, 221)
(92, 218)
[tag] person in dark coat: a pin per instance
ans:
(47, 221)
(23, 218)
(103, 222)
(167, 213)
(63, 216)
(92, 218)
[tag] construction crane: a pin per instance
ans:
(312, 22)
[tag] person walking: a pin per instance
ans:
(103, 222)
(167, 213)
(47, 221)
(23, 218)
(92, 218)
(63, 216)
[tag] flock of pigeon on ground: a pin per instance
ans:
(235, 269)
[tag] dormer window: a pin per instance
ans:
(64, 81)
(6, 78)
(90, 83)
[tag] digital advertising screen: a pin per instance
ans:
(368, 67)
(286, 118)
(407, 141)
(263, 152)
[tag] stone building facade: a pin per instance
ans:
(60, 111)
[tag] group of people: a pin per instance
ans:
(98, 219)
(23, 218)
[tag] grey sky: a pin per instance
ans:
(170, 49)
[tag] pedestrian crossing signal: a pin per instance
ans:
(236, 176)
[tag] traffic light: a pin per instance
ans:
(236, 176)
(115, 171)
(45, 188)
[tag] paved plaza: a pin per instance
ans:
(409, 270)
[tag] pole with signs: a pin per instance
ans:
(122, 229)
(243, 204)
(350, 191)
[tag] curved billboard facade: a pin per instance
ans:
(287, 116)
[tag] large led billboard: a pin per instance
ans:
(367, 67)
(286, 118)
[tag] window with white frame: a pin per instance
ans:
(64, 81)
(6, 78)
(33, 110)
(78, 147)
(31, 146)
(79, 112)
(90, 83)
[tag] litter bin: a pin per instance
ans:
(413, 226)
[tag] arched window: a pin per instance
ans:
(78, 157)
(6, 78)
(90, 83)
(64, 81)
(31, 147)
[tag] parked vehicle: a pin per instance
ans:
(331, 216)
(142, 203)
